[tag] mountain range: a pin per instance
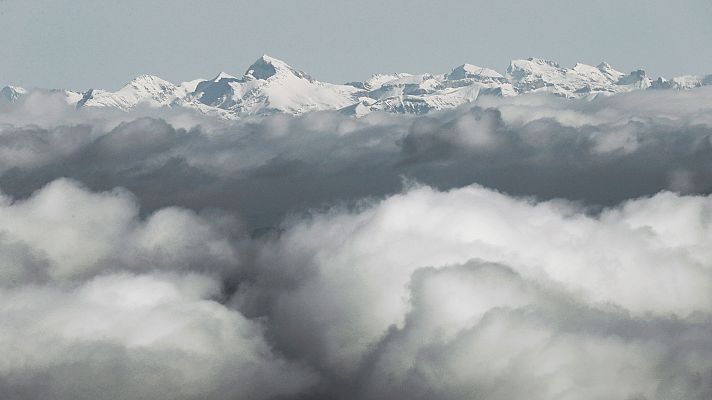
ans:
(272, 86)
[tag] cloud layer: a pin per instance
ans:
(601, 152)
(532, 247)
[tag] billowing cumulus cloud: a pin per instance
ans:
(484, 294)
(63, 232)
(98, 302)
(136, 336)
(528, 247)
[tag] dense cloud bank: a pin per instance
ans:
(599, 151)
(532, 247)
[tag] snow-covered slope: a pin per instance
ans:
(272, 86)
(145, 89)
(535, 75)
(269, 86)
(15, 93)
(682, 82)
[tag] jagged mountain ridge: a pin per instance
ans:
(272, 86)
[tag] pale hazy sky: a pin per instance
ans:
(99, 43)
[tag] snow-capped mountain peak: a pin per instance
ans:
(272, 86)
(531, 66)
(536, 75)
(637, 79)
(533, 73)
(267, 67)
(465, 71)
(148, 89)
(147, 81)
(12, 93)
(221, 76)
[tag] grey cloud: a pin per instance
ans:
(599, 151)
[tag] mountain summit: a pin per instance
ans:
(267, 67)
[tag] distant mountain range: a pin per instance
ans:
(272, 86)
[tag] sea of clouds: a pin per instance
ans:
(514, 248)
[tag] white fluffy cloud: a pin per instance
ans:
(64, 231)
(98, 302)
(451, 294)
(124, 336)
